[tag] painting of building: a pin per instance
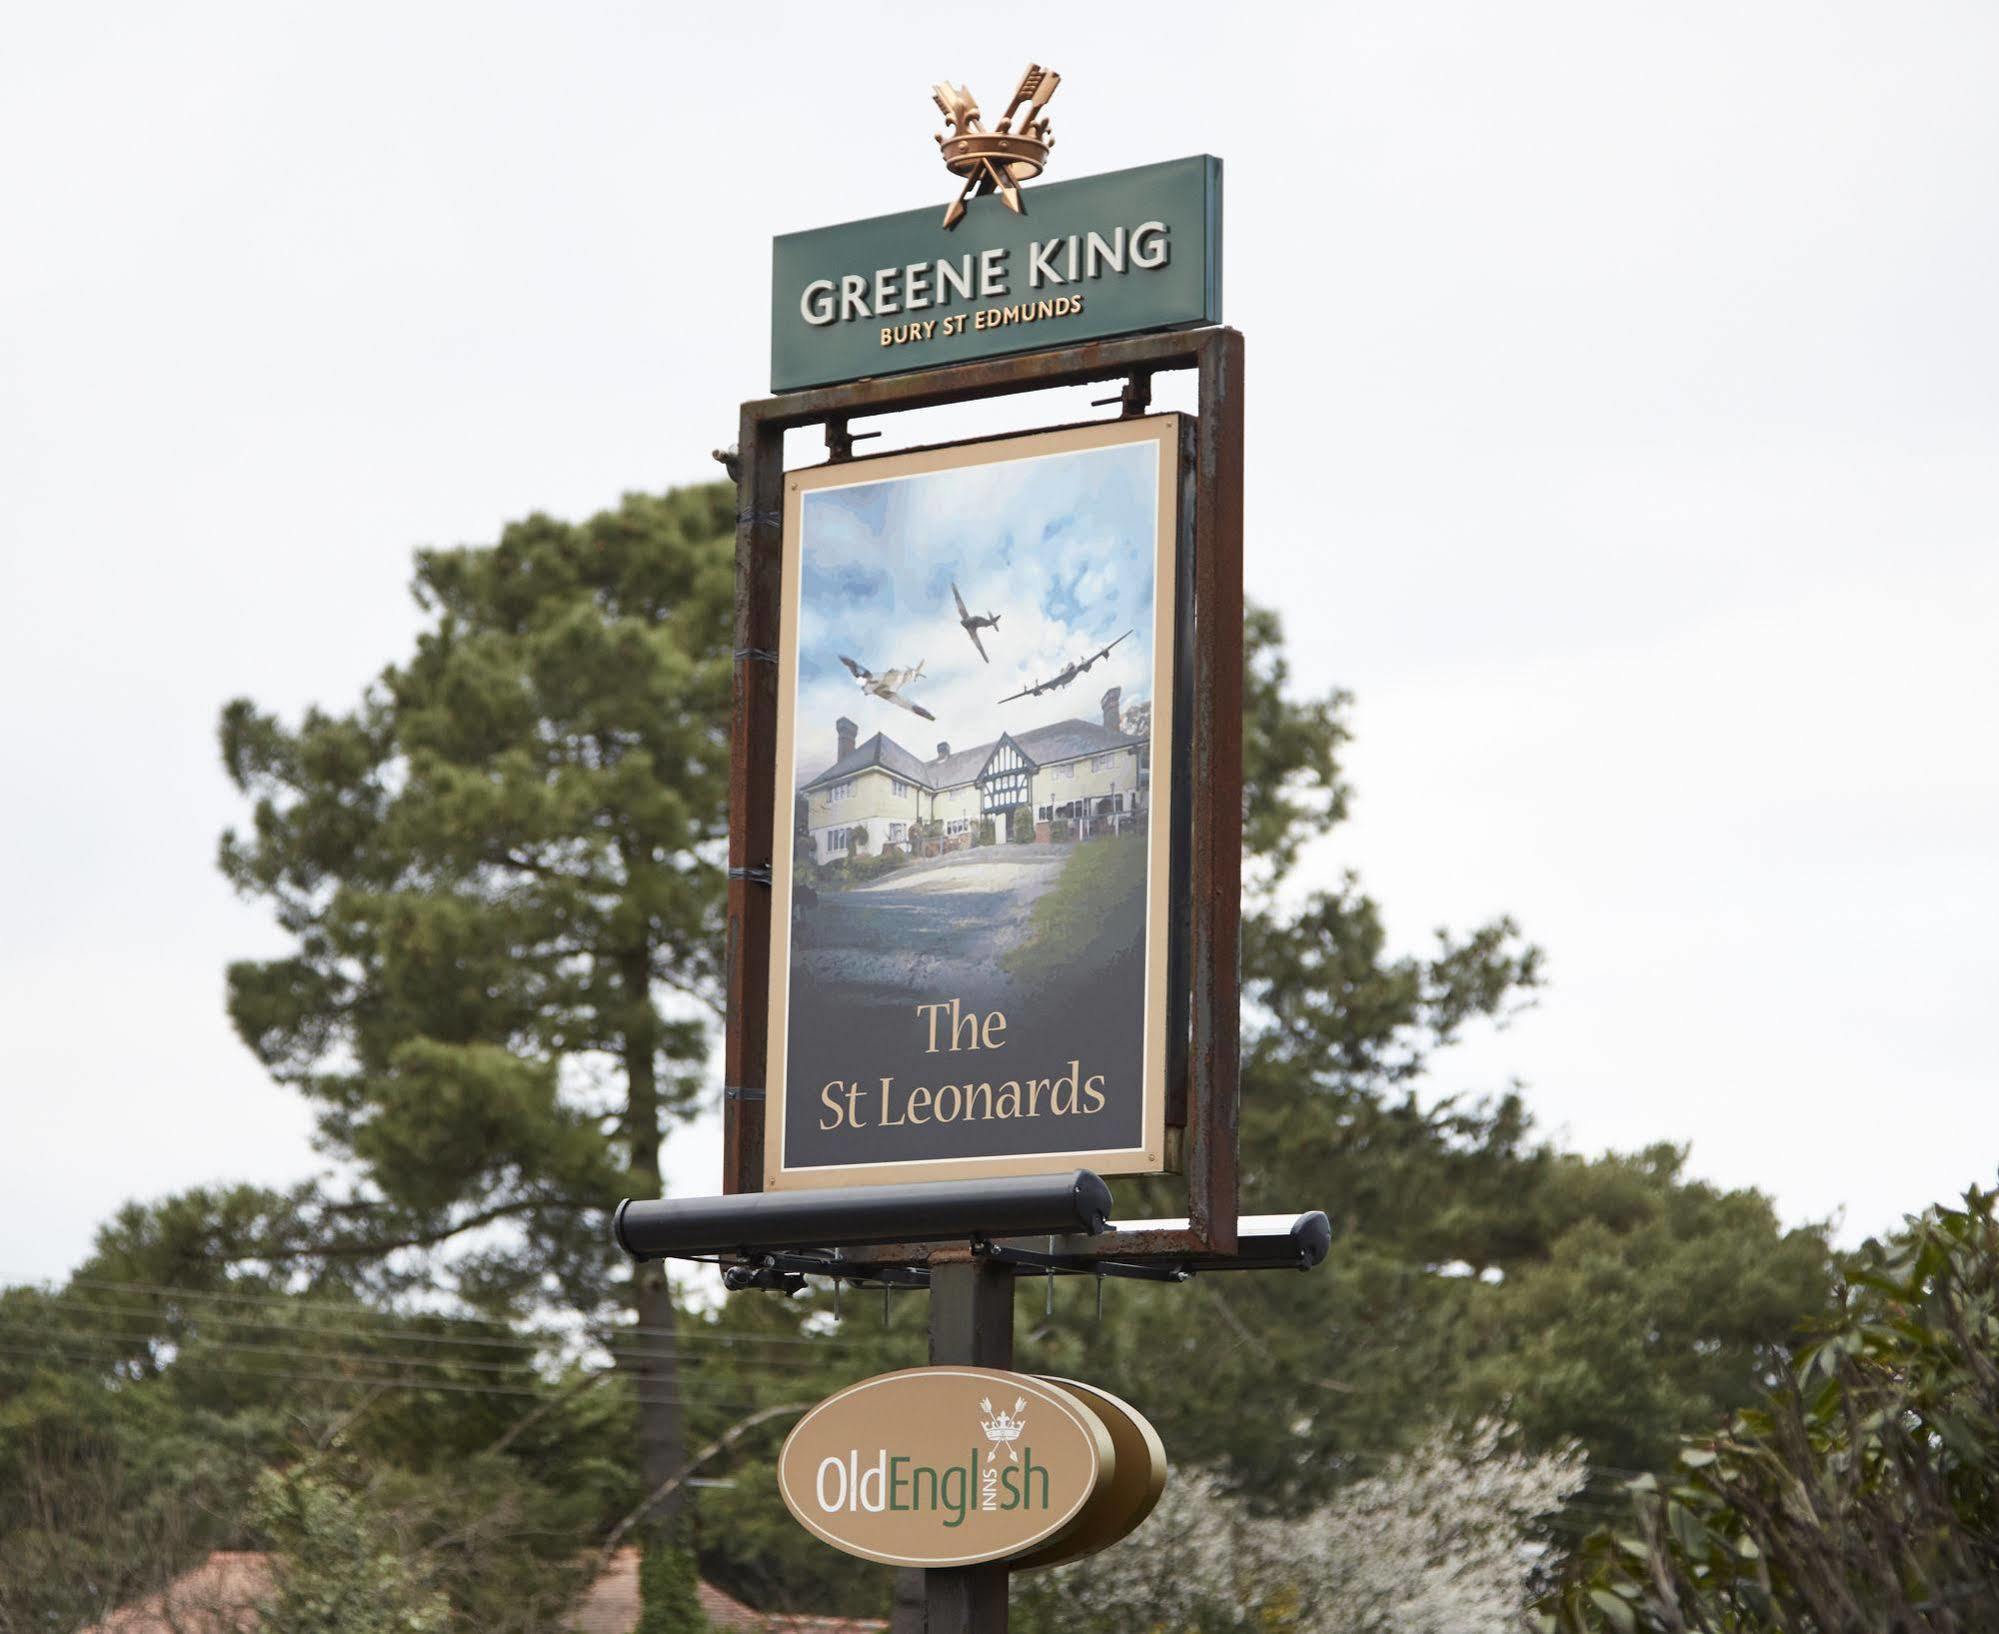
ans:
(975, 673)
(1075, 779)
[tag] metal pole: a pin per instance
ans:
(971, 1323)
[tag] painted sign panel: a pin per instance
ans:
(944, 1466)
(970, 935)
(1101, 255)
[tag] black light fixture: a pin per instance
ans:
(1074, 1204)
(1263, 1242)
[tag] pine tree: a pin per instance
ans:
(502, 873)
(669, 1590)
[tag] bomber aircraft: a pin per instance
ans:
(1067, 673)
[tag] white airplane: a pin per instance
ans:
(888, 685)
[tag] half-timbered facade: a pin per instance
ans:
(1071, 777)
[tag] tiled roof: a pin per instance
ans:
(880, 750)
(961, 767)
(1061, 740)
(612, 1605)
(220, 1597)
(217, 1597)
(1064, 740)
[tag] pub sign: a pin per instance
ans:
(973, 928)
(1111, 254)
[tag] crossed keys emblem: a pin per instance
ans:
(1000, 159)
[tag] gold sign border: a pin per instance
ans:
(1121, 1503)
(1103, 1454)
(1164, 431)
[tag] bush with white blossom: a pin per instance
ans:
(1445, 1539)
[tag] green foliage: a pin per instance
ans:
(1292, 788)
(857, 839)
(1862, 1491)
(341, 1567)
(1653, 1302)
(668, 1599)
(105, 1492)
(500, 875)
(132, 1446)
(1097, 905)
(1020, 825)
(858, 870)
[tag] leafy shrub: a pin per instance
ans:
(1862, 1493)
(342, 1566)
(858, 870)
(1021, 825)
(669, 1602)
(986, 834)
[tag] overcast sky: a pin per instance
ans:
(1624, 403)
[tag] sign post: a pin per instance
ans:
(985, 838)
(971, 1321)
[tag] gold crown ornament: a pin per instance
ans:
(1000, 159)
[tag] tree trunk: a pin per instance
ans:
(662, 1425)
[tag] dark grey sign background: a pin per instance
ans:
(1186, 194)
(858, 1035)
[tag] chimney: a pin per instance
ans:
(846, 729)
(1111, 699)
(943, 750)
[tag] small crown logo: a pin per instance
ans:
(1003, 1428)
(1000, 159)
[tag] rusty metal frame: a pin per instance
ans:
(1213, 723)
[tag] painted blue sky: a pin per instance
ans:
(1059, 546)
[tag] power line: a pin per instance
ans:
(278, 1376)
(140, 1314)
(118, 1343)
(698, 1334)
(245, 1346)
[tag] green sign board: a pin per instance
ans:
(1099, 256)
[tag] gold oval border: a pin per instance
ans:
(1102, 1452)
(1121, 1502)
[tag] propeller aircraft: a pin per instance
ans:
(1067, 673)
(888, 685)
(973, 623)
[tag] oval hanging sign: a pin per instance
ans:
(1125, 1497)
(944, 1466)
